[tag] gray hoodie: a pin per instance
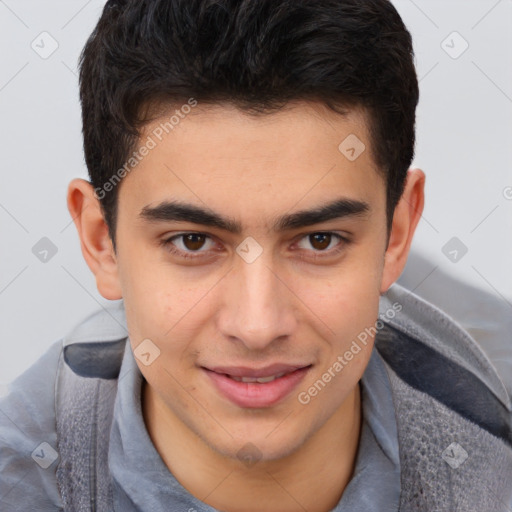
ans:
(436, 432)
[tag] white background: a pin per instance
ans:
(464, 140)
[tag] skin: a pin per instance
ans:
(283, 307)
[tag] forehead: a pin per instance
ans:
(226, 160)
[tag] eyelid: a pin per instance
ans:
(341, 238)
(168, 242)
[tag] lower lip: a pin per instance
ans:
(255, 394)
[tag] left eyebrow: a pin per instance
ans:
(169, 211)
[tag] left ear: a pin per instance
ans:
(405, 219)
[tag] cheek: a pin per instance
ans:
(156, 297)
(170, 313)
(348, 301)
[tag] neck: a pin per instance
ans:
(312, 478)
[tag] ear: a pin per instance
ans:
(405, 219)
(97, 248)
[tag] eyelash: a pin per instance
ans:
(169, 246)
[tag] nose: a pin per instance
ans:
(257, 305)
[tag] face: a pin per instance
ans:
(232, 266)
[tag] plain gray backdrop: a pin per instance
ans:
(462, 251)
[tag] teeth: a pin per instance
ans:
(261, 380)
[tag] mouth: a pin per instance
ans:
(256, 388)
(261, 380)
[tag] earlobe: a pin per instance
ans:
(97, 249)
(405, 219)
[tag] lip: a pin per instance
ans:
(255, 394)
(266, 371)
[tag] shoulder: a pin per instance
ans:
(423, 331)
(28, 440)
(29, 455)
(432, 354)
(449, 401)
(484, 315)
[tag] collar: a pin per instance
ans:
(141, 480)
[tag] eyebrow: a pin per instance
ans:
(169, 211)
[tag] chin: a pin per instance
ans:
(264, 445)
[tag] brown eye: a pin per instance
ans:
(189, 245)
(320, 241)
(193, 241)
(322, 244)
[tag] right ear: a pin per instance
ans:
(97, 248)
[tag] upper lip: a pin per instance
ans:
(266, 371)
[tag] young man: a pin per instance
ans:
(252, 204)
